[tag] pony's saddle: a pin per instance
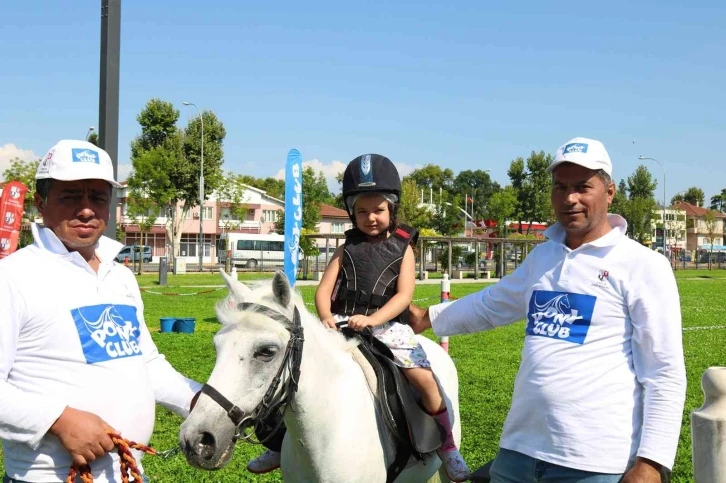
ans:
(416, 432)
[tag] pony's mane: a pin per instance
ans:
(229, 316)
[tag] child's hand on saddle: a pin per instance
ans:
(360, 322)
(329, 322)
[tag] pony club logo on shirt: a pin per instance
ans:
(560, 315)
(85, 156)
(107, 331)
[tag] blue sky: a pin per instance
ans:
(470, 85)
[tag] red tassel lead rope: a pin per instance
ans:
(128, 463)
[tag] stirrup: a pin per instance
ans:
(266, 462)
(454, 465)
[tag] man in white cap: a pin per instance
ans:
(600, 391)
(76, 357)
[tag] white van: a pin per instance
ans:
(132, 253)
(252, 250)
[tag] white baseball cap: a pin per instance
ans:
(72, 160)
(588, 153)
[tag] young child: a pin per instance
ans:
(370, 282)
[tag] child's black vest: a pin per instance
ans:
(369, 275)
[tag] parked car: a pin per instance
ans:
(716, 257)
(462, 264)
(132, 253)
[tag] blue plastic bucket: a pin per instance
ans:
(167, 324)
(185, 325)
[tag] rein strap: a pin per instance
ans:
(291, 361)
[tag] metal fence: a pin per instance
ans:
(468, 257)
(459, 257)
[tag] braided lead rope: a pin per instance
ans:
(128, 463)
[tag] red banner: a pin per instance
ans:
(11, 216)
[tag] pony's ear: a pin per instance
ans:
(281, 289)
(236, 288)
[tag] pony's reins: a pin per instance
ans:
(128, 462)
(272, 401)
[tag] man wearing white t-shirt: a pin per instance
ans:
(600, 391)
(76, 357)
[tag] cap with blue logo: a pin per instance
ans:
(588, 153)
(72, 160)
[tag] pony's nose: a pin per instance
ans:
(203, 445)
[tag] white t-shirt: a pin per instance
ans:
(72, 337)
(602, 378)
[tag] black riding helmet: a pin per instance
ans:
(371, 173)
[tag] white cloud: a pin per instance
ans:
(11, 151)
(333, 168)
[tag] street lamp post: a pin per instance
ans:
(201, 187)
(641, 157)
(678, 238)
(466, 215)
(90, 130)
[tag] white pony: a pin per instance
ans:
(334, 433)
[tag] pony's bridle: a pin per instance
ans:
(273, 400)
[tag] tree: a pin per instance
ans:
(433, 177)
(144, 211)
(409, 211)
(231, 190)
(158, 122)
(317, 187)
(214, 134)
(641, 204)
(537, 187)
(477, 184)
(339, 197)
(448, 219)
(620, 200)
(641, 184)
(24, 171)
(518, 176)
(634, 201)
(314, 192)
(639, 213)
(718, 202)
(694, 196)
(166, 160)
(531, 184)
(502, 206)
(93, 138)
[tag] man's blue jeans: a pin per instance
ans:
(512, 467)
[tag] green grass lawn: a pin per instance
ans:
(487, 363)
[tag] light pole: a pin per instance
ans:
(678, 238)
(641, 157)
(90, 130)
(466, 215)
(201, 187)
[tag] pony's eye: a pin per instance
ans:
(266, 353)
